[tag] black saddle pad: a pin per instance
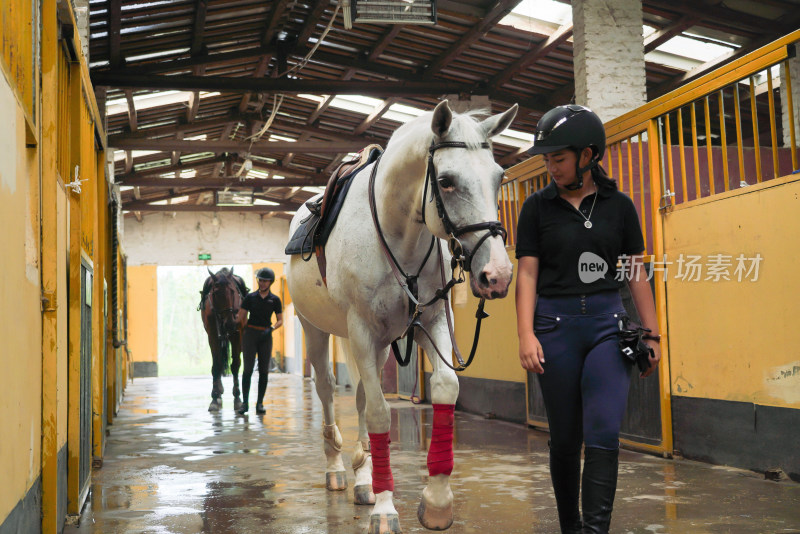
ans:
(312, 232)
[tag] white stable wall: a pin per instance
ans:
(230, 238)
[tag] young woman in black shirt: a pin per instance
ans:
(257, 338)
(570, 236)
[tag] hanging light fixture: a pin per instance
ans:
(388, 12)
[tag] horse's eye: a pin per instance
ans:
(446, 183)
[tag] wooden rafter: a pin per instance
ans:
(237, 146)
(282, 85)
(663, 35)
(559, 36)
(132, 119)
(498, 11)
(114, 31)
(218, 183)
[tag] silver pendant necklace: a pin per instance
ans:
(587, 223)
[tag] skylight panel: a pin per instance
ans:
(151, 100)
(544, 10)
(120, 154)
(693, 49)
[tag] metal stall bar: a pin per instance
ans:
(709, 153)
(670, 170)
(754, 116)
(790, 107)
(681, 147)
(773, 131)
(695, 153)
(723, 139)
(739, 143)
(630, 170)
(641, 192)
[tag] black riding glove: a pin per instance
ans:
(266, 334)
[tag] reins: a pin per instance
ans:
(461, 259)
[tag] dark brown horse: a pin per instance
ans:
(222, 300)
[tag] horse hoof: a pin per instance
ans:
(336, 481)
(434, 518)
(384, 524)
(215, 405)
(237, 403)
(363, 494)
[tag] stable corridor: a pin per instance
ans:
(173, 468)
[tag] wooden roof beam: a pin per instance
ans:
(199, 27)
(377, 112)
(663, 35)
(171, 168)
(166, 145)
(145, 207)
(282, 85)
(722, 15)
(556, 38)
(114, 30)
(278, 125)
(385, 40)
(221, 183)
(500, 9)
(132, 119)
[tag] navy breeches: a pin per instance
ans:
(585, 380)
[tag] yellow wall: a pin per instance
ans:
(732, 340)
(142, 316)
(497, 356)
(20, 319)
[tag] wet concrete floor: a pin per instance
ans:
(171, 467)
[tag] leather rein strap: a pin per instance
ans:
(461, 258)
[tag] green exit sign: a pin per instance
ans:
(204, 256)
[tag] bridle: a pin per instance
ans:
(461, 259)
(461, 255)
(221, 314)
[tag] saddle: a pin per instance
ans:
(312, 234)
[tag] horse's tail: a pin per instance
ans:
(343, 347)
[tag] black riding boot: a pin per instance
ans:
(565, 472)
(600, 468)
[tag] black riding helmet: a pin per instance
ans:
(265, 273)
(571, 126)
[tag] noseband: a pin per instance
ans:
(461, 258)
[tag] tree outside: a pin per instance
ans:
(182, 342)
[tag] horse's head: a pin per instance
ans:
(225, 299)
(464, 181)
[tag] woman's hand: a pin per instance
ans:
(531, 356)
(654, 359)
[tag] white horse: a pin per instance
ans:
(364, 304)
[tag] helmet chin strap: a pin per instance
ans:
(578, 183)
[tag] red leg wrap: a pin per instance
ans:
(440, 453)
(381, 470)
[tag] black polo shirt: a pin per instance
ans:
(261, 309)
(573, 259)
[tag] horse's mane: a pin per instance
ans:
(464, 127)
(224, 272)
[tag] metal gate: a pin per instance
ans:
(408, 381)
(642, 422)
(86, 376)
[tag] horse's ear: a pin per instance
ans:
(498, 123)
(442, 118)
(213, 277)
(231, 270)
